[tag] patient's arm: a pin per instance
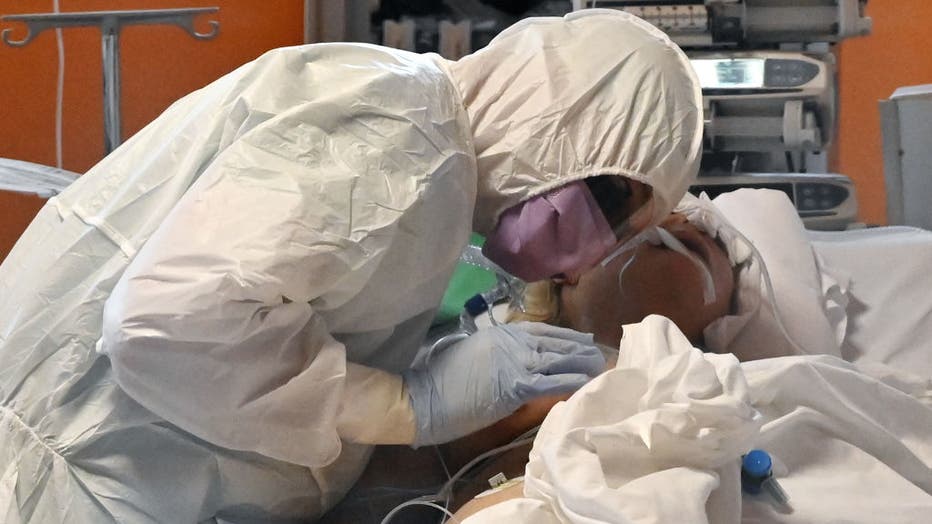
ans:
(527, 417)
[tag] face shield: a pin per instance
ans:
(552, 234)
(568, 231)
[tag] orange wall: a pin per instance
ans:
(898, 53)
(162, 63)
(159, 65)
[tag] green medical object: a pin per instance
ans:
(467, 280)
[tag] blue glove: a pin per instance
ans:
(480, 380)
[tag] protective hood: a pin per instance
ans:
(597, 92)
(778, 307)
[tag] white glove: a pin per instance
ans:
(489, 375)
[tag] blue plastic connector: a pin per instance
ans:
(757, 476)
(476, 305)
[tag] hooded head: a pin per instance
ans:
(597, 92)
(778, 307)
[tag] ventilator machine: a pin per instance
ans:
(769, 93)
(768, 79)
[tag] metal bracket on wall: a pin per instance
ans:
(110, 24)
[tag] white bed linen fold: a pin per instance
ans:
(658, 438)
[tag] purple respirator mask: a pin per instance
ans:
(562, 232)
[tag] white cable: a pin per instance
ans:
(765, 275)
(443, 463)
(417, 502)
(447, 488)
(708, 284)
(657, 235)
(533, 431)
(446, 491)
(59, 91)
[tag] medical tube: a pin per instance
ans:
(417, 502)
(446, 492)
(757, 476)
(507, 285)
(765, 275)
(634, 242)
(768, 284)
(475, 306)
(699, 217)
(708, 284)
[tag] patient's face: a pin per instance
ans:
(657, 280)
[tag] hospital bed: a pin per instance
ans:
(862, 422)
(851, 437)
(889, 296)
(868, 287)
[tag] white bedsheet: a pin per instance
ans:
(658, 439)
(889, 293)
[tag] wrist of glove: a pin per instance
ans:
(480, 380)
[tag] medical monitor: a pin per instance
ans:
(823, 201)
(730, 73)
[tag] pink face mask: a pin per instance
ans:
(561, 232)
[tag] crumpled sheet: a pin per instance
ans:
(659, 438)
(850, 443)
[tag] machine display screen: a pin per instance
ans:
(730, 73)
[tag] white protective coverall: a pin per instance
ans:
(208, 325)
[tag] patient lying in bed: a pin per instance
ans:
(738, 321)
(650, 279)
(852, 443)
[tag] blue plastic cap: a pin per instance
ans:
(476, 305)
(757, 463)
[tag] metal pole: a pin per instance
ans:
(110, 23)
(110, 42)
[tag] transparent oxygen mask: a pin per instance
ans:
(507, 287)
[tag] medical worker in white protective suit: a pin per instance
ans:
(216, 321)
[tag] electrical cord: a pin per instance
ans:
(417, 502)
(446, 491)
(59, 90)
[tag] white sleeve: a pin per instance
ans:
(211, 327)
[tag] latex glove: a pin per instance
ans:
(484, 378)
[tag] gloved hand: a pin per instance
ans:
(480, 380)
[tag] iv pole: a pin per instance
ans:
(110, 24)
